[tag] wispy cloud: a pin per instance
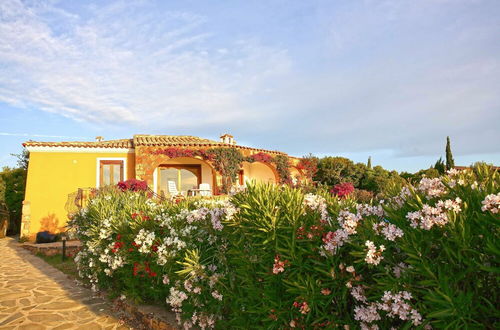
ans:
(128, 63)
(41, 135)
(323, 77)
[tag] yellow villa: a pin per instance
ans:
(170, 165)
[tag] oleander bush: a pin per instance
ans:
(276, 257)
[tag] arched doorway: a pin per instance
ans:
(257, 171)
(183, 174)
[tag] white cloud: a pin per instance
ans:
(129, 63)
(353, 77)
(41, 135)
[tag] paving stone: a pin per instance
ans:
(31, 326)
(59, 305)
(13, 295)
(8, 303)
(92, 326)
(47, 317)
(34, 295)
(42, 299)
(65, 326)
(11, 318)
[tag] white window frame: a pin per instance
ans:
(98, 172)
(155, 180)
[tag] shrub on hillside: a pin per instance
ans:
(363, 196)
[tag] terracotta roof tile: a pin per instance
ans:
(188, 141)
(150, 141)
(171, 140)
(123, 143)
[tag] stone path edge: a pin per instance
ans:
(150, 316)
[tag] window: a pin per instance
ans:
(184, 177)
(241, 177)
(110, 172)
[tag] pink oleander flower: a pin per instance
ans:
(367, 313)
(317, 203)
(399, 200)
(396, 304)
(176, 298)
(217, 295)
(358, 293)
(373, 256)
(388, 230)
(432, 187)
(333, 240)
(491, 203)
(302, 306)
(399, 268)
(326, 291)
(348, 221)
(434, 216)
(279, 266)
(368, 210)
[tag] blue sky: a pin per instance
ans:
(386, 78)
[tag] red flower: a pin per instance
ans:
(302, 306)
(133, 185)
(343, 189)
(136, 269)
(261, 157)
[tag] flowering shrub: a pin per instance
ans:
(343, 189)
(283, 168)
(260, 157)
(174, 152)
(273, 257)
(309, 166)
(133, 185)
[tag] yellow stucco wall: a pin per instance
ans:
(52, 176)
(258, 171)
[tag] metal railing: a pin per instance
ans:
(78, 199)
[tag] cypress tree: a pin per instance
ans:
(440, 166)
(369, 164)
(450, 163)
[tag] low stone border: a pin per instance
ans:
(152, 317)
(50, 249)
(149, 316)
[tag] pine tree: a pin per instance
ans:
(450, 163)
(369, 164)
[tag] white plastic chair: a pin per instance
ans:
(205, 189)
(172, 188)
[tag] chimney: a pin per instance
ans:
(99, 139)
(227, 138)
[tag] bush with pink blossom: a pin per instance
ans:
(275, 257)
